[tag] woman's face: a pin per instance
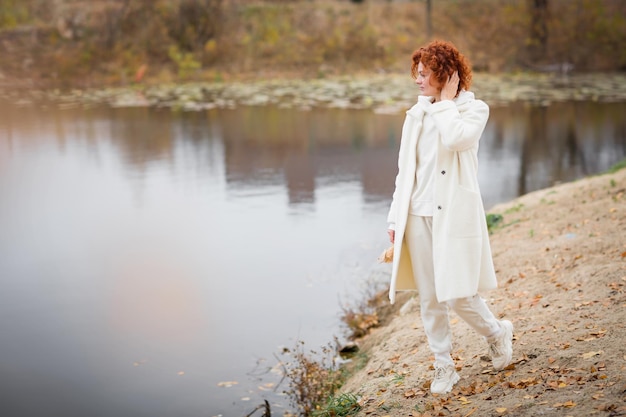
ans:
(428, 86)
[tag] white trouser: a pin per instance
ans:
(474, 310)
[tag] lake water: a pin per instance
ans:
(155, 262)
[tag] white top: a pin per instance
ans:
(423, 196)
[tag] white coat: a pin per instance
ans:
(462, 260)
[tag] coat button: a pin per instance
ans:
(443, 172)
(438, 207)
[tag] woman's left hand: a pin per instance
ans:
(449, 90)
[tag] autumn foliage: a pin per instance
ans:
(106, 42)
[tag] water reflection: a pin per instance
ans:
(302, 149)
(147, 255)
(251, 148)
(526, 148)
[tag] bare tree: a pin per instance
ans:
(538, 30)
(429, 23)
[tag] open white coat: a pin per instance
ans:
(461, 252)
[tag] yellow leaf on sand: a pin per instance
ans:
(501, 410)
(567, 404)
(591, 354)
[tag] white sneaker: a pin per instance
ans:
(444, 379)
(501, 347)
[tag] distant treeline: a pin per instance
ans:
(73, 42)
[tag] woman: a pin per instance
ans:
(437, 220)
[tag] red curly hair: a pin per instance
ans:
(442, 58)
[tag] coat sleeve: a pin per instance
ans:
(460, 130)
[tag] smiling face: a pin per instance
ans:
(426, 82)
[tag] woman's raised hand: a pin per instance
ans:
(448, 92)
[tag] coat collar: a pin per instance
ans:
(464, 97)
(424, 102)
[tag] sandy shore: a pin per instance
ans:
(560, 255)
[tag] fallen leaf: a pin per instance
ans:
(501, 410)
(591, 354)
(567, 404)
(227, 384)
(471, 412)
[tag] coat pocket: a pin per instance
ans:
(465, 214)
